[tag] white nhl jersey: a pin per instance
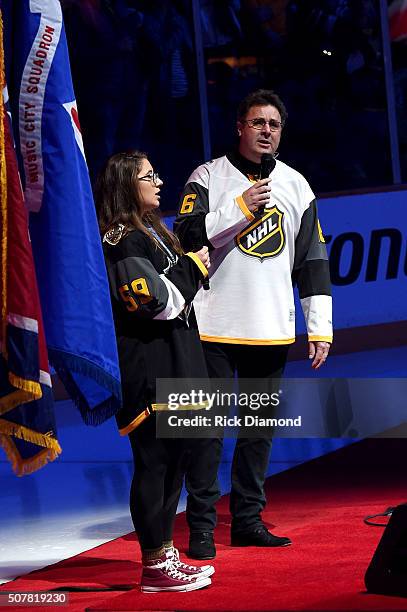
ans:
(256, 259)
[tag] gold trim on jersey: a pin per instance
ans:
(242, 205)
(162, 407)
(157, 408)
(199, 263)
(251, 341)
(320, 338)
(320, 234)
(135, 422)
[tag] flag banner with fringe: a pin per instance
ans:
(64, 232)
(27, 424)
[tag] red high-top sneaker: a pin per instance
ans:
(160, 575)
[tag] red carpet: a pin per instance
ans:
(320, 505)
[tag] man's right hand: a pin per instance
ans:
(257, 195)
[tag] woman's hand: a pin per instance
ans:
(203, 255)
(257, 195)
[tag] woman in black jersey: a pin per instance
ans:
(152, 285)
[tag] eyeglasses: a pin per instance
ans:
(152, 177)
(259, 123)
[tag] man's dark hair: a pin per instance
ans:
(262, 97)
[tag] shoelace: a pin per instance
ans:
(176, 561)
(174, 573)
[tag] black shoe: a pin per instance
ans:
(259, 536)
(201, 545)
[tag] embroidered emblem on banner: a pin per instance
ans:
(264, 237)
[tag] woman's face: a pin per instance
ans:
(149, 185)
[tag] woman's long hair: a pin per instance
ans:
(118, 199)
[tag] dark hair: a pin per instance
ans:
(118, 199)
(262, 97)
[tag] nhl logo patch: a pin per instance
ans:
(265, 236)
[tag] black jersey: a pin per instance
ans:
(151, 291)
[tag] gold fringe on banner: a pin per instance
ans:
(29, 435)
(26, 466)
(14, 399)
(29, 386)
(26, 391)
(22, 467)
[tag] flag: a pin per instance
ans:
(67, 250)
(27, 427)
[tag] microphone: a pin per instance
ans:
(268, 163)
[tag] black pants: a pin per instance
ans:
(159, 467)
(251, 456)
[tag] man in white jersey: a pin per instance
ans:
(265, 238)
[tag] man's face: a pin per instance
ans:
(254, 142)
